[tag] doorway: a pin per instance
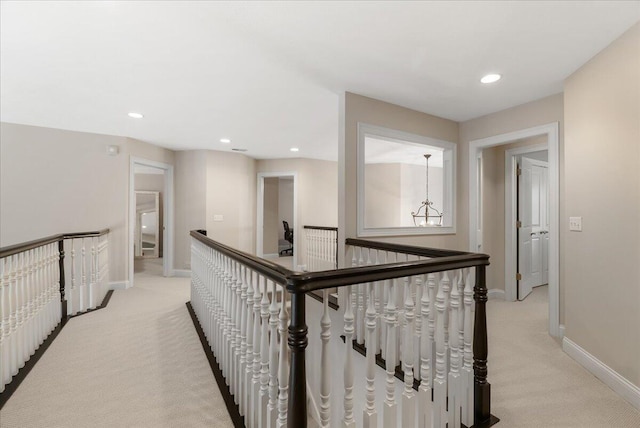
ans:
(150, 218)
(277, 221)
(550, 131)
(532, 224)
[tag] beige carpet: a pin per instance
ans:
(535, 384)
(137, 363)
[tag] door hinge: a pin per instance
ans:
(518, 276)
(518, 171)
(518, 224)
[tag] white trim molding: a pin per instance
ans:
(119, 285)
(606, 374)
(495, 294)
(168, 213)
(551, 130)
(181, 273)
(449, 182)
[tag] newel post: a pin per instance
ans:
(297, 412)
(63, 299)
(482, 388)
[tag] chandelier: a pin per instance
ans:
(427, 214)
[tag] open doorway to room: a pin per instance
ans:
(150, 218)
(277, 219)
(524, 259)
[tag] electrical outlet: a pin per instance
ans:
(218, 217)
(575, 224)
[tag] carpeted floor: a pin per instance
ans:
(137, 363)
(535, 384)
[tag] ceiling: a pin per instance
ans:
(268, 75)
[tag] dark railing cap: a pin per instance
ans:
(403, 248)
(335, 229)
(302, 282)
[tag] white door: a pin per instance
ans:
(545, 223)
(533, 237)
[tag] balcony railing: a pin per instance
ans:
(40, 289)
(414, 307)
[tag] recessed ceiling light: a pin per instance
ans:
(490, 78)
(136, 115)
(294, 149)
(225, 140)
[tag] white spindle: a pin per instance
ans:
(360, 301)
(425, 408)
(283, 366)
(390, 406)
(325, 369)
(257, 343)
(71, 295)
(93, 266)
(4, 322)
(440, 381)
(454, 371)
(408, 395)
(243, 340)
(272, 408)
(348, 420)
(382, 259)
(369, 414)
(264, 353)
(249, 349)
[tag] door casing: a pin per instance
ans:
(551, 130)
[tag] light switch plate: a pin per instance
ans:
(575, 224)
(218, 217)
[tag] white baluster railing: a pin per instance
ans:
(419, 324)
(321, 248)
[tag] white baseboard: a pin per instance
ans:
(606, 374)
(119, 285)
(495, 294)
(561, 330)
(181, 273)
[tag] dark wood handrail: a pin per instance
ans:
(304, 282)
(402, 248)
(300, 283)
(335, 229)
(25, 246)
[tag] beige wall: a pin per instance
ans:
(493, 194)
(231, 192)
(374, 112)
(317, 191)
(271, 223)
(190, 201)
(54, 181)
(602, 133)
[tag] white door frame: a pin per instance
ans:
(167, 207)
(260, 218)
(511, 216)
(552, 133)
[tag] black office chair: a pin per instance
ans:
(288, 236)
